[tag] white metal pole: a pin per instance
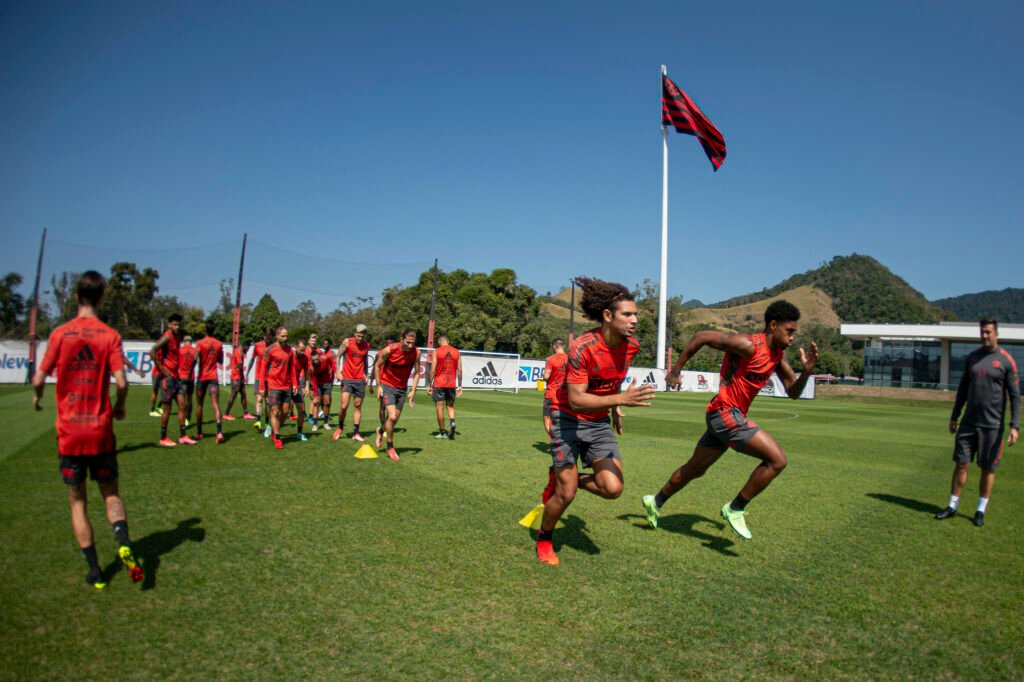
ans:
(663, 288)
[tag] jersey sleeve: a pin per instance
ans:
(51, 355)
(578, 367)
(1013, 389)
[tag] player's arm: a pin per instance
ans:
(378, 367)
(252, 361)
(415, 377)
(739, 345)
(794, 384)
(44, 369)
(266, 372)
(431, 374)
(633, 396)
(961, 396)
(340, 361)
(547, 371)
(458, 378)
(121, 382)
(1013, 388)
(155, 356)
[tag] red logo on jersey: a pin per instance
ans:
(995, 363)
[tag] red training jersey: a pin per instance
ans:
(211, 356)
(186, 361)
(601, 368)
(280, 368)
(742, 378)
(323, 372)
(168, 355)
(354, 367)
(398, 365)
(446, 363)
(84, 352)
(557, 365)
(302, 361)
(259, 349)
(237, 364)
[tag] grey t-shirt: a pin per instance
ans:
(989, 377)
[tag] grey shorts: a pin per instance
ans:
(101, 468)
(170, 388)
(353, 386)
(394, 396)
(279, 396)
(585, 442)
(547, 407)
(237, 386)
(727, 428)
(443, 395)
(211, 386)
(985, 445)
(325, 389)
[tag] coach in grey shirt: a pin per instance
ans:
(990, 376)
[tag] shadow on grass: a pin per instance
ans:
(150, 548)
(573, 533)
(408, 451)
(685, 524)
(913, 505)
(543, 446)
(140, 446)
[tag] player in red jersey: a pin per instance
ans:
(165, 354)
(259, 349)
(210, 357)
(281, 386)
(187, 374)
(355, 351)
(238, 382)
(581, 431)
(393, 366)
(85, 353)
(445, 384)
(750, 360)
(323, 371)
(555, 368)
(302, 366)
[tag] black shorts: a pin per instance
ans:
(169, 389)
(188, 386)
(237, 386)
(547, 407)
(279, 396)
(446, 395)
(101, 468)
(395, 396)
(586, 442)
(353, 386)
(211, 386)
(325, 389)
(985, 445)
(727, 428)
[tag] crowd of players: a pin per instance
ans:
(582, 403)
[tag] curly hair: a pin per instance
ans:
(599, 296)
(781, 311)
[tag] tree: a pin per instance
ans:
(128, 300)
(193, 319)
(265, 314)
(12, 304)
(304, 316)
(63, 290)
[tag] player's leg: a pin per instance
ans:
(394, 413)
(183, 438)
(187, 388)
(707, 451)
(439, 408)
(450, 404)
(231, 401)
(990, 453)
(214, 391)
(300, 409)
(357, 414)
(260, 405)
(606, 481)
(200, 399)
(155, 395)
(346, 397)
(773, 461)
(965, 445)
(118, 518)
(382, 413)
(326, 398)
(73, 471)
(566, 484)
(245, 402)
(166, 396)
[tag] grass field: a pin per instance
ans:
(310, 563)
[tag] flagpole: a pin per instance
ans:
(663, 289)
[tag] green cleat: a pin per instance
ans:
(124, 552)
(652, 511)
(736, 521)
(303, 437)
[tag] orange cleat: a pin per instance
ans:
(337, 433)
(278, 445)
(228, 418)
(357, 437)
(185, 440)
(167, 443)
(219, 438)
(392, 454)
(546, 553)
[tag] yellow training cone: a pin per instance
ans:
(532, 520)
(366, 452)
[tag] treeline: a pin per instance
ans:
(1006, 305)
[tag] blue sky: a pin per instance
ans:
(368, 139)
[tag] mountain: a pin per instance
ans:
(861, 289)
(814, 304)
(1006, 305)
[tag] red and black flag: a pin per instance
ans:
(680, 112)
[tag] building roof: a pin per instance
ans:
(947, 331)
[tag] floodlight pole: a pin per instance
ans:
(663, 288)
(238, 295)
(430, 325)
(34, 314)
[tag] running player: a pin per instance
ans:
(85, 353)
(259, 350)
(555, 368)
(210, 356)
(281, 386)
(238, 382)
(323, 384)
(165, 358)
(445, 384)
(581, 432)
(355, 351)
(187, 374)
(393, 366)
(989, 381)
(750, 360)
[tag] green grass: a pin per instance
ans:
(312, 563)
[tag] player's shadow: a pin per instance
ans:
(913, 505)
(543, 446)
(138, 446)
(408, 451)
(572, 533)
(685, 524)
(150, 548)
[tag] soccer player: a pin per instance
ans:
(153, 411)
(259, 350)
(166, 358)
(750, 360)
(355, 351)
(210, 356)
(85, 353)
(281, 385)
(990, 376)
(393, 366)
(555, 368)
(187, 374)
(238, 382)
(303, 357)
(581, 432)
(323, 372)
(445, 384)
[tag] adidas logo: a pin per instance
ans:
(84, 361)
(85, 354)
(649, 379)
(487, 376)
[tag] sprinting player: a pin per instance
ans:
(445, 384)
(581, 432)
(166, 358)
(259, 350)
(187, 374)
(355, 351)
(555, 368)
(990, 376)
(750, 360)
(323, 384)
(210, 357)
(281, 386)
(393, 366)
(238, 382)
(85, 353)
